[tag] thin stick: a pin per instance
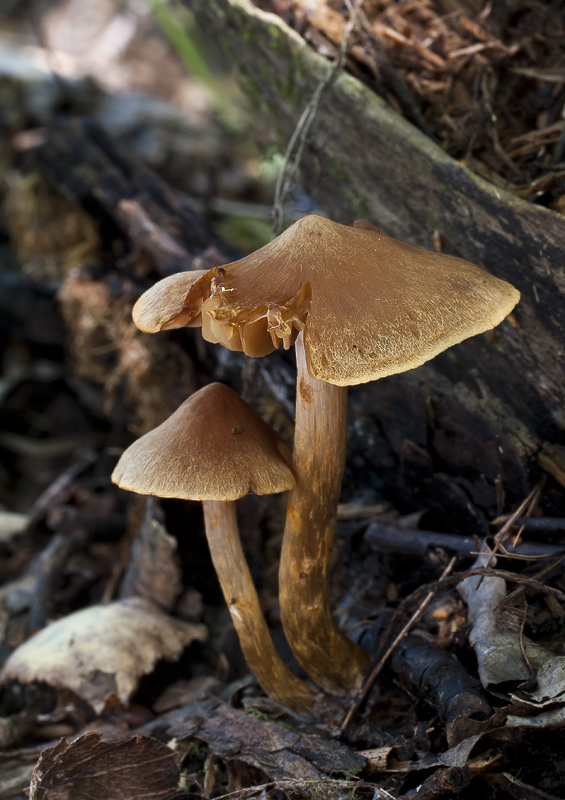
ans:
(298, 139)
(526, 506)
(310, 784)
(534, 581)
(382, 661)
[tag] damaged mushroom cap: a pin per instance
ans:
(169, 307)
(213, 447)
(369, 305)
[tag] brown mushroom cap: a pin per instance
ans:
(214, 447)
(369, 305)
(169, 307)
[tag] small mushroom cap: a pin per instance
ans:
(369, 305)
(214, 447)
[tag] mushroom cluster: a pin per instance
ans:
(216, 449)
(359, 306)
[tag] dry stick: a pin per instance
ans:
(535, 495)
(515, 578)
(62, 487)
(521, 557)
(382, 661)
(534, 580)
(390, 537)
(521, 644)
(559, 150)
(309, 784)
(525, 508)
(291, 163)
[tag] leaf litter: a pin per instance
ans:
(458, 69)
(102, 651)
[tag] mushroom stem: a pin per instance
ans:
(274, 677)
(328, 656)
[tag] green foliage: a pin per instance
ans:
(178, 26)
(245, 233)
(178, 32)
(261, 715)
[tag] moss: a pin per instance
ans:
(247, 34)
(245, 233)
(255, 712)
(286, 85)
(502, 418)
(337, 170)
(359, 204)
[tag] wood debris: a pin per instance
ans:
(487, 84)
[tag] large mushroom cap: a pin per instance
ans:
(214, 447)
(369, 305)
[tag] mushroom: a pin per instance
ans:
(215, 448)
(365, 306)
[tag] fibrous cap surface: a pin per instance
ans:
(213, 447)
(369, 305)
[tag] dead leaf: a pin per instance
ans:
(89, 768)
(550, 682)
(278, 751)
(11, 524)
(153, 571)
(100, 653)
(553, 718)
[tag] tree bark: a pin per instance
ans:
(477, 414)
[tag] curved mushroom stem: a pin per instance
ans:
(274, 677)
(328, 656)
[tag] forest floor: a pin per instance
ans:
(485, 80)
(122, 674)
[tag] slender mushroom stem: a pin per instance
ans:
(328, 656)
(274, 677)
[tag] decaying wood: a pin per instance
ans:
(484, 408)
(394, 539)
(153, 571)
(49, 569)
(504, 654)
(83, 162)
(439, 679)
(442, 783)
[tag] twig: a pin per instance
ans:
(525, 509)
(489, 572)
(445, 581)
(523, 651)
(535, 581)
(62, 487)
(390, 649)
(240, 794)
(295, 148)
(390, 537)
(559, 150)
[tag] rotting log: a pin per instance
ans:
(479, 413)
(437, 678)
(82, 161)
